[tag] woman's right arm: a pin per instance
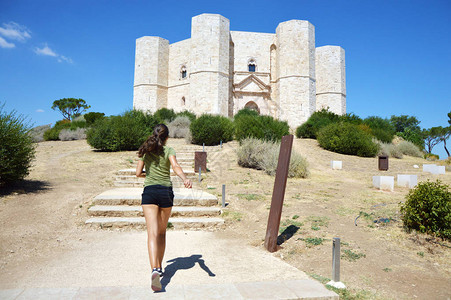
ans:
(140, 168)
(178, 170)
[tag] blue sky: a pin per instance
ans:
(398, 53)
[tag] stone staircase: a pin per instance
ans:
(121, 206)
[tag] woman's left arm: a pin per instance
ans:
(140, 168)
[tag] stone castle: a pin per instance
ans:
(219, 71)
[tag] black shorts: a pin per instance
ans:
(160, 195)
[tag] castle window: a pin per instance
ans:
(183, 72)
(252, 66)
(183, 101)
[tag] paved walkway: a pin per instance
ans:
(198, 265)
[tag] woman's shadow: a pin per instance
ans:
(183, 263)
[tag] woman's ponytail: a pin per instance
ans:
(154, 144)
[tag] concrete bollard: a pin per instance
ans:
(223, 195)
(203, 147)
(409, 181)
(200, 174)
(335, 282)
(384, 182)
(336, 164)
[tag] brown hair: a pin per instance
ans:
(155, 142)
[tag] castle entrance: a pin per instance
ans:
(252, 105)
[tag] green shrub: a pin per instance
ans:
(53, 133)
(164, 115)
(37, 133)
(91, 117)
(428, 209)
(347, 138)
(381, 129)
(351, 118)
(409, 148)
(211, 130)
(264, 155)
(431, 156)
(317, 120)
(124, 132)
(71, 135)
(249, 125)
(187, 113)
(246, 112)
(179, 128)
(388, 149)
(16, 147)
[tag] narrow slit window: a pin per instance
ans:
(252, 66)
(183, 72)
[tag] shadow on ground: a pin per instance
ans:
(183, 263)
(287, 234)
(25, 187)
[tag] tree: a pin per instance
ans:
(445, 134)
(432, 137)
(408, 128)
(70, 107)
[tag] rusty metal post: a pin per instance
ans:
(278, 194)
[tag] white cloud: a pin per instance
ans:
(15, 31)
(5, 44)
(49, 52)
(45, 51)
(40, 110)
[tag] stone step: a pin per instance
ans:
(137, 211)
(132, 196)
(176, 183)
(132, 172)
(140, 222)
(132, 178)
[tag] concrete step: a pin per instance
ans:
(132, 196)
(132, 178)
(176, 183)
(137, 211)
(140, 222)
(132, 172)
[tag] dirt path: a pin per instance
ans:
(43, 221)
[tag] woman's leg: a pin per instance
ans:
(151, 214)
(164, 214)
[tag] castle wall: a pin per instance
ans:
(209, 64)
(331, 79)
(151, 73)
(295, 71)
(178, 87)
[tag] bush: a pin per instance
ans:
(16, 147)
(179, 128)
(264, 155)
(124, 132)
(91, 117)
(388, 149)
(317, 120)
(409, 148)
(188, 114)
(381, 128)
(431, 156)
(351, 118)
(70, 135)
(249, 125)
(428, 209)
(211, 130)
(164, 115)
(37, 133)
(347, 138)
(53, 134)
(246, 112)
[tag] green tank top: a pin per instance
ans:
(158, 167)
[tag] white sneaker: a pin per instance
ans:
(156, 284)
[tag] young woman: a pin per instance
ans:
(157, 197)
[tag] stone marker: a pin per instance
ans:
(336, 164)
(409, 181)
(280, 183)
(384, 182)
(441, 170)
(429, 167)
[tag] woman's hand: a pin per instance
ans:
(188, 184)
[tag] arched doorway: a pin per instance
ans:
(252, 105)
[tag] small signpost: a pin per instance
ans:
(278, 194)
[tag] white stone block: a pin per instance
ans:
(429, 167)
(440, 170)
(336, 164)
(384, 182)
(416, 166)
(409, 181)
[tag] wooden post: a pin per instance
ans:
(272, 230)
